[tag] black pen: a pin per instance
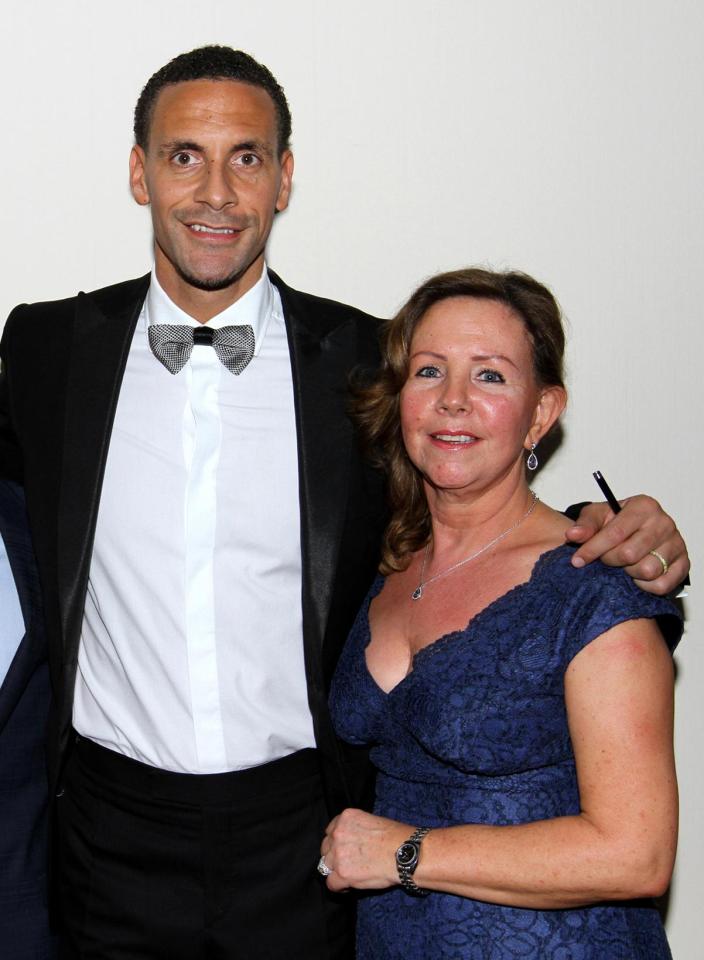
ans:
(616, 507)
(607, 491)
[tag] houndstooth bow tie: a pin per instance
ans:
(172, 344)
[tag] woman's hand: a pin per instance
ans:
(360, 849)
(630, 539)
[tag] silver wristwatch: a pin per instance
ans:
(407, 857)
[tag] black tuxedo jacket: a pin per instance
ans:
(62, 366)
(24, 705)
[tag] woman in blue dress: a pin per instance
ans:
(518, 707)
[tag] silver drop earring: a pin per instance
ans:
(532, 461)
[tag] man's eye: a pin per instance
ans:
(183, 159)
(247, 160)
(491, 376)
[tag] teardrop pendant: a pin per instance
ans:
(417, 593)
(532, 461)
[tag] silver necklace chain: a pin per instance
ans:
(418, 592)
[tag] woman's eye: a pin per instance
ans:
(428, 371)
(491, 376)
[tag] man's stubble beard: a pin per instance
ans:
(214, 284)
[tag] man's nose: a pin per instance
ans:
(216, 186)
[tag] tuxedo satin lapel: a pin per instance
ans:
(103, 328)
(320, 371)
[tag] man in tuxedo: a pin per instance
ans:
(206, 531)
(24, 706)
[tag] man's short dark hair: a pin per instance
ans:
(212, 63)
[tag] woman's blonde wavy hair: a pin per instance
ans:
(375, 404)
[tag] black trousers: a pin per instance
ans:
(166, 866)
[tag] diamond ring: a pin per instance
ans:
(323, 868)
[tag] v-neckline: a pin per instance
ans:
(445, 638)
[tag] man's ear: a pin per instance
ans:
(138, 181)
(547, 412)
(286, 178)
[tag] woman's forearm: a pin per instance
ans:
(549, 864)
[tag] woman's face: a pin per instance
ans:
(471, 403)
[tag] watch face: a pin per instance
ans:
(407, 855)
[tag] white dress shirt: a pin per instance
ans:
(191, 653)
(12, 627)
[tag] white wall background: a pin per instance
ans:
(563, 137)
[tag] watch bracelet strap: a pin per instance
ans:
(404, 874)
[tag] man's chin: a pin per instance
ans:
(221, 282)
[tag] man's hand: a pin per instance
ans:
(626, 540)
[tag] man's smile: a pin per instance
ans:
(218, 231)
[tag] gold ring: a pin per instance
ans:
(663, 561)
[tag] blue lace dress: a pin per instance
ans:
(477, 733)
